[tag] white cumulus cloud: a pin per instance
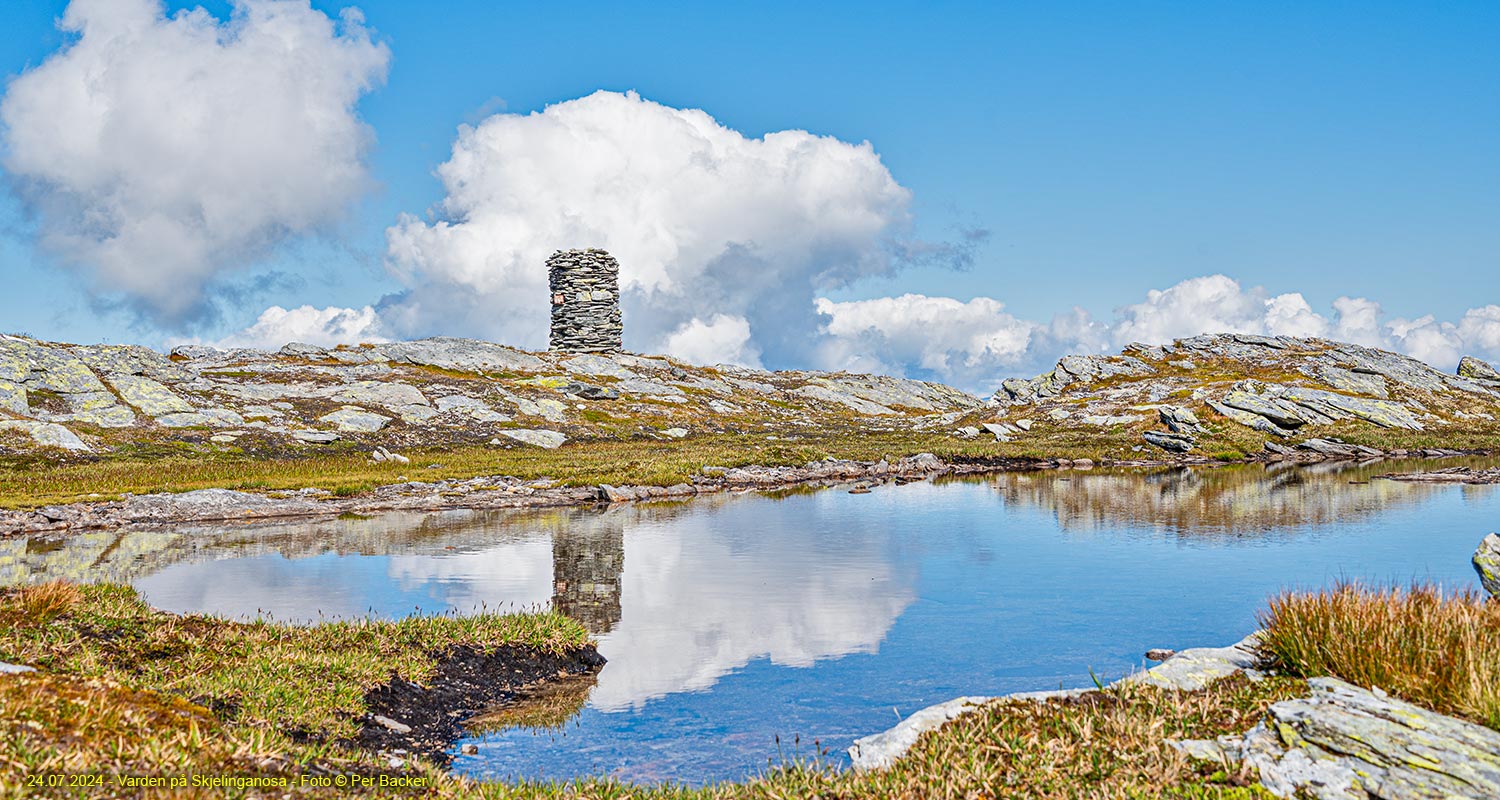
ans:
(707, 224)
(159, 153)
(939, 336)
(1214, 303)
(723, 339)
(325, 327)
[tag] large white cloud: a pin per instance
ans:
(706, 223)
(160, 153)
(723, 339)
(1215, 303)
(325, 327)
(961, 341)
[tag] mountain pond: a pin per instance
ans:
(744, 629)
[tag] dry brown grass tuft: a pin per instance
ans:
(42, 602)
(1441, 652)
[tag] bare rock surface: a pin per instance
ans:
(550, 440)
(45, 434)
(1283, 387)
(1487, 563)
(1348, 743)
(465, 355)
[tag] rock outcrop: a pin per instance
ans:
(1282, 387)
(1348, 743)
(1487, 563)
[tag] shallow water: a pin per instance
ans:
(732, 621)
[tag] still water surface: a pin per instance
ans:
(730, 621)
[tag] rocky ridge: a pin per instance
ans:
(1294, 392)
(84, 398)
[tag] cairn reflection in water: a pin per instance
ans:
(587, 560)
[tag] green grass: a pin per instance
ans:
(1441, 652)
(309, 679)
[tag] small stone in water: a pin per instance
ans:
(469, 749)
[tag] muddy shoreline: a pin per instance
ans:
(468, 680)
(502, 492)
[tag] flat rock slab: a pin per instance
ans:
(550, 440)
(596, 365)
(315, 437)
(1194, 668)
(354, 420)
(379, 393)
(211, 504)
(465, 355)
(46, 434)
(14, 669)
(827, 394)
(149, 397)
(1348, 743)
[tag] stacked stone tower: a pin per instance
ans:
(585, 301)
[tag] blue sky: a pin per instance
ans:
(1327, 149)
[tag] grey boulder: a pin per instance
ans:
(1487, 563)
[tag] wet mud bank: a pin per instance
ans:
(425, 721)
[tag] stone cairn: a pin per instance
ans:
(585, 301)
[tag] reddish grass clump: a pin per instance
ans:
(43, 601)
(1438, 651)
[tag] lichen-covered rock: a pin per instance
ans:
(1348, 743)
(315, 437)
(1108, 420)
(379, 393)
(49, 368)
(1180, 420)
(46, 434)
(466, 355)
(110, 416)
(1487, 563)
(131, 359)
(1329, 448)
(1197, 667)
(471, 407)
(590, 364)
(549, 440)
(1281, 413)
(818, 391)
(1248, 419)
(1471, 367)
(1173, 442)
(355, 420)
(1357, 382)
(303, 350)
(1384, 413)
(148, 396)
